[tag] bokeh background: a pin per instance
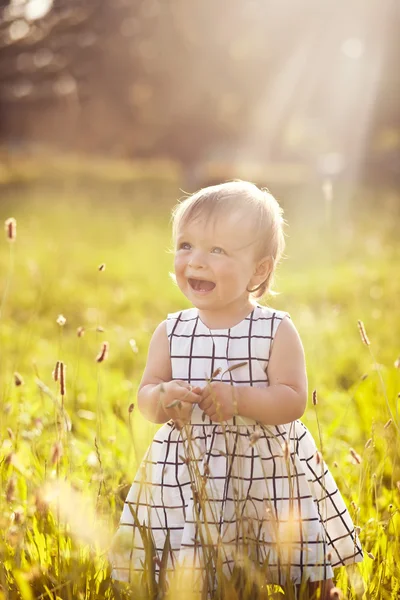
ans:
(283, 92)
(110, 111)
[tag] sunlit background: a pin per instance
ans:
(111, 110)
(277, 91)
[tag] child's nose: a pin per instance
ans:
(197, 260)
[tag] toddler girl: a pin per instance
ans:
(232, 478)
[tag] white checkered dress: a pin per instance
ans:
(245, 488)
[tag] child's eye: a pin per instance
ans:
(218, 250)
(184, 246)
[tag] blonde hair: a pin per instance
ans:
(258, 204)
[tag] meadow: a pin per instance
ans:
(84, 284)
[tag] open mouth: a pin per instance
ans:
(201, 285)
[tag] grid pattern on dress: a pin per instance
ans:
(261, 489)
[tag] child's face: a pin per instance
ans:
(215, 262)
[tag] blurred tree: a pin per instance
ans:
(176, 78)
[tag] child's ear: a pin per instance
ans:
(264, 267)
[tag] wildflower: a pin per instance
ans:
(131, 407)
(56, 371)
(103, 354)
(11, 229)
(363, 333)
(354, 506)
(80, 331)
(371, 556)
(314, 398)
(56, 453)
(102, 267)
(63, 374)
(133, 346)
(61, 320)
(368, 443)
(18, 380)
(355, 456)
(387, 424)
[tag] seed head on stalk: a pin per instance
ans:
(103, 354)
(11, 229)
(363, 334)
(355, 455)
(18, 379)
(56, 372)
(63, 375)
(56, 453)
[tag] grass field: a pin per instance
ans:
(66, 459)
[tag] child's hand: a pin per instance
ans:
(177, 399)
(218, 401)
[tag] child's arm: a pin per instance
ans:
(283, 401)
(156, 390)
